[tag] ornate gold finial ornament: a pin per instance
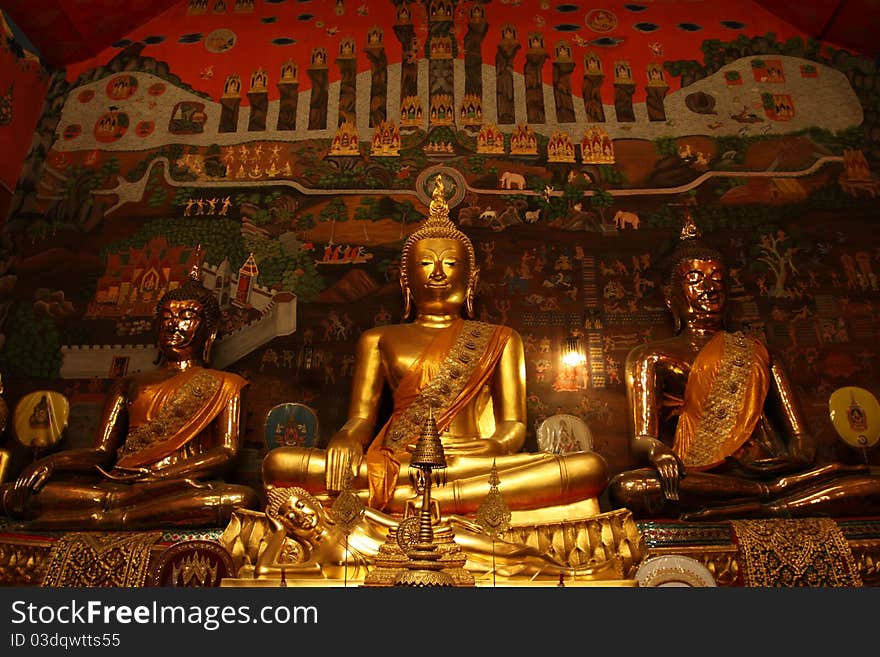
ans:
(438, 224)
(195, 271)
(689, 229)
(493, 515)
(347, 509)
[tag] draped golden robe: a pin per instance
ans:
(723, 399)
(446, 378)
(172, 413)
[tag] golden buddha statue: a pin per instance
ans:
(715, 416)
(166, 438)
(471, 374)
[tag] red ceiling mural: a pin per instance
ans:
(69, 31)
(204, 48)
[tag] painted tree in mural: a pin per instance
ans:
(601, 201)
(334, 211)
(367, 211)
(776, 254)
(33, 345)
(404, 212)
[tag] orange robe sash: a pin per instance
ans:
(446, 378)
(181, 408)
(723, 399)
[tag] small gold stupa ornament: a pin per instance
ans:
(415, 535)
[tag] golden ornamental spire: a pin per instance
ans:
(689, 230)
(439, 208)
(195, 272)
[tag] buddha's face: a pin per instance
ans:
(703, 287)
(181, 328)
(299, 516)
(438, 275)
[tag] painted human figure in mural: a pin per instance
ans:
(739, 443)
(470, 374)
(166, 438)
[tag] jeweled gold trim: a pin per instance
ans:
(795, 552)
(725, 398)
(100, 559)
(185, 403)
(452, 377)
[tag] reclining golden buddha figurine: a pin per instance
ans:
(716, 417)
(166, 438)
(471, 374)
(299, 537)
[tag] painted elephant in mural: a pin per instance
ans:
(511, 180)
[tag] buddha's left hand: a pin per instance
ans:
(769, 466)
(131, 475)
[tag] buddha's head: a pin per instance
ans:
(188, 320)
(697, 284)
(298, 511)
(438, 270)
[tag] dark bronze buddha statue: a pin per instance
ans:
(737, 443)
(166, 439)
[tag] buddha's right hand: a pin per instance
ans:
(343, 459)
(30, 481)
(670, 472)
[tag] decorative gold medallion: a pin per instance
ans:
(347, 509)
(493, 515)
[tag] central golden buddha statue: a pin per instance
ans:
(471, 374)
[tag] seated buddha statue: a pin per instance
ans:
(714, 416)
(165, 440)
(470, 374)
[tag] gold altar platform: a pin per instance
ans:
(26, 557)
(480, 583)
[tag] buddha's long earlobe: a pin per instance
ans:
(209, 343)
(673, 309)
(676, 322)
(471, 292)
(407, 300)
